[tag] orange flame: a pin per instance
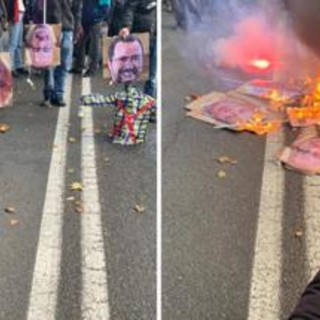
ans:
(259, 125)
(309, 110)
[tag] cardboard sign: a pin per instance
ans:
(126, 59)
(6, 83)
(43, 45)
(303, 155)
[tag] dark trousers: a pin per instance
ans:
(89, 43)
(308, 306)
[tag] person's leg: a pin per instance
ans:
(48, 87)
(18, 55)
(14, 38)
(150, 86)
(61, 71)
(80, 52)
(94, 48)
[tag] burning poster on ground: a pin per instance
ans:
(303, 155)
(271, 90)
(6, 83)
(234, 112)
(306, 111)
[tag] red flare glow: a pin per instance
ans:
(261, 64)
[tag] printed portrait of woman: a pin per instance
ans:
(6, 82)
(41, 42)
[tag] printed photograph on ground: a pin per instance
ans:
(78, 162)
(240, 187)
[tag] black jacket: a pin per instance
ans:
(67, 12)
(140, 16)
(308, 307)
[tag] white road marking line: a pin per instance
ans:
(266, 275)
(95, 302)
(43, 296)
(312, 223)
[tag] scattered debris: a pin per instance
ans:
(139, 208)
(4, 127)
(76, 186)
(226, 160)
(298, 234)
(221, 174)
(72, 140)
(10, 210)
(14, 222)
(71, 170)
(70, 198)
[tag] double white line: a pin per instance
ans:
(44, 291)
(267, 264)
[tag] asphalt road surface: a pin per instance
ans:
(68, 254)
(239, 247)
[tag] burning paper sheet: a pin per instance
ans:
(6, 82)
(304, 153)
(233, 112)
(270, 90)
(307, 110)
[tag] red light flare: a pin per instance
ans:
(261, 64)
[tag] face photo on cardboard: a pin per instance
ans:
(6, 82)
(125, 59)
(42, 46)
(228, 111)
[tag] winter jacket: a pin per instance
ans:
(308, 307)
(67, 12)
(140, 16)
(93, 12)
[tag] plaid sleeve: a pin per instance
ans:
(97, 100)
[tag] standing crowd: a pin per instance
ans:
(83, 24)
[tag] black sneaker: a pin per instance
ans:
(22, 71)
(89, 73)
(76, 71)
(58, 102)
(15, 73)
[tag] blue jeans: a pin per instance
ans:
(15, 44)
(55, 77)
(151, 84)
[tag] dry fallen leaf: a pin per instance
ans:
(226, 160)
(72, 140)
(221, 174)
(76, 186)
(97, 130)
(78, 209)
(70, 198)
(4, 127)
(298, 234)
(14, 222)
(10, 210)
(139, 208)
(71, 170)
